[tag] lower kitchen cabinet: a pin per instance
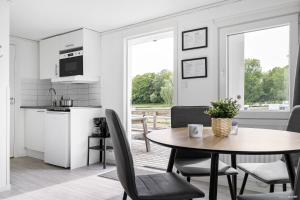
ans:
(35, 129)
(60, 138)
(57, 138)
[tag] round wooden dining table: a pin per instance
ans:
(247, 141)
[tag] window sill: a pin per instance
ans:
(280, 115)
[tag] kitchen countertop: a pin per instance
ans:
(48, 107)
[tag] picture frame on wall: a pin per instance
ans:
(194, 68)
(194, 39)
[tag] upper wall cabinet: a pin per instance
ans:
(49, 57)
(71, 40)
(58, 62)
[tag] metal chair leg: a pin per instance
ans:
(230, 187)
(272, 187)
(104, 154)
(124, 196)
(188, 179)
(88, 156)
(284, 187)
(244, 183)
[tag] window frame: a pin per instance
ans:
(225, 32)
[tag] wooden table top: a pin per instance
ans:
(247, 141)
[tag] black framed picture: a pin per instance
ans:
(194, 68)
(194, 39)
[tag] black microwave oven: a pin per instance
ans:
(71, 62)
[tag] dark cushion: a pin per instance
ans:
(165, 186)
(270, 173)
(268, 196)
(201, 167)
(294, 126)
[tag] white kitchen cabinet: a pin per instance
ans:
(49, 58)
(57, 138)
(35, 129)
(49, 55)
(71, 40)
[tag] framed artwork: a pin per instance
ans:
(194, 39)
(194, 68)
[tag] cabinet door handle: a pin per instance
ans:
(1, 55)
(40, 111)
(12, 100)
(69, 45)
(56, 70)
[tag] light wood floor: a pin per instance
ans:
(34, 180)
(93, 188)
(29, 174)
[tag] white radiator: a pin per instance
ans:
(250, 158)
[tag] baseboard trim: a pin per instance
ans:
(35, 154)
(5, 188)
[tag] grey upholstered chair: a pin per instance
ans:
(196, 163)
(164, 186)
(290, 195)
(265, 172)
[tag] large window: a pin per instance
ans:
(258, 68)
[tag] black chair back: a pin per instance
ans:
(297, 183)
(122, 153)
(181, 116)
(294, 126)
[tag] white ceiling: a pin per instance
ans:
(37, 19)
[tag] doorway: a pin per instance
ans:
(12, 59)
(151, 90)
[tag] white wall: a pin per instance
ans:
(192, 91)
(4, 95)
(26, 67)
(27, 57)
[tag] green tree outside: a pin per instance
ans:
(153, 88)
(265, 87)
(253, 81)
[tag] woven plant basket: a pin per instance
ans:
(221, 126)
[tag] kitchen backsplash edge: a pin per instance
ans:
(35, 92)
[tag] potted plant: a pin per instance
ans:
(222, 112)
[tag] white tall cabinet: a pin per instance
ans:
(4, 95)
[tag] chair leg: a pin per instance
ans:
(188, 179)
(284, 187)
(230, 187)
(88, 155)
(272, 187)
(104, 154)
(244, 183)
(124, 196)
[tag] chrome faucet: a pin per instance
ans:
(53, 101)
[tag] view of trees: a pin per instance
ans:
(265, 87)
(270, 87)
(153, 88)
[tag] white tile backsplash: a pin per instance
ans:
(36, 93)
